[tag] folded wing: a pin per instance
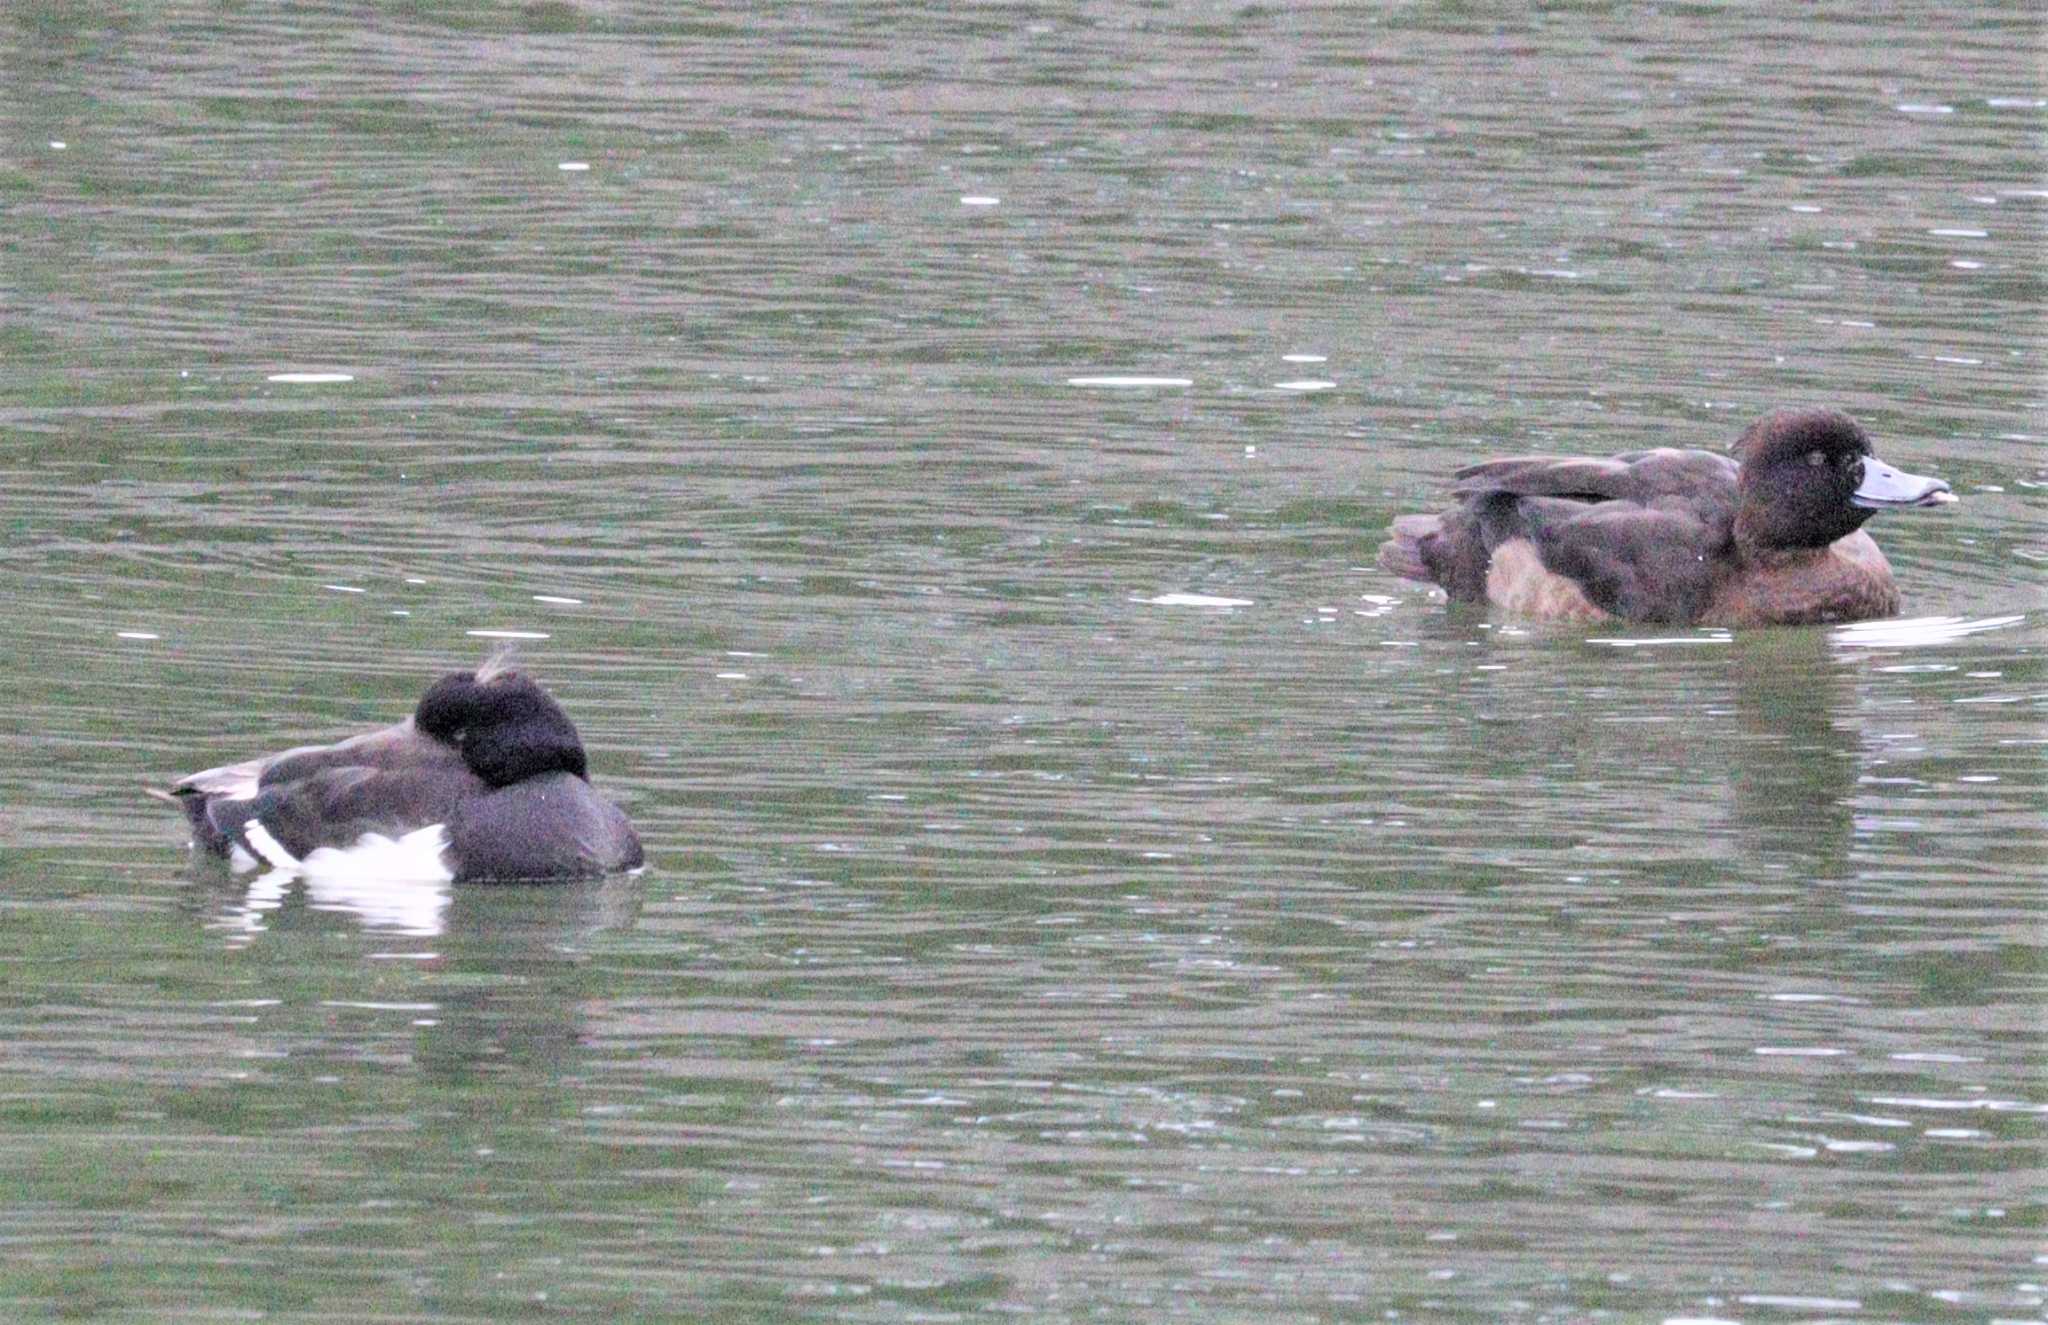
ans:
(1639, 563)
(1636, 532)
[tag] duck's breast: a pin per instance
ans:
(1848, 580)
(550, 827)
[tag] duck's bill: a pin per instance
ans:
(1884, 486)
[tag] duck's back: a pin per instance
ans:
(1696, 480)
(400, 746)
(1631, 535)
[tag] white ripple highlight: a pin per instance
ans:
(1661, 641)
(1914, 632)
(1195, 600)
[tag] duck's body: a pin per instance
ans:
(485, 781)
(1675, 536)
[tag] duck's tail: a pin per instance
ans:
(1402, 552)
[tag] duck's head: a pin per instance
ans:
(1809, 478)
(507, 728)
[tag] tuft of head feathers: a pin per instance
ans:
(503, 659)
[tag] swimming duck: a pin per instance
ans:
(1772, 536)
(486, 781)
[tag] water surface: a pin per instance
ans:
(936, 455)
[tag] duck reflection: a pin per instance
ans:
(504, 981)
(1798, 759)
(242, 908)
(514, 985)
(416, 908)
(473, 1038)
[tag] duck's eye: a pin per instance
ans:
(1816, 459)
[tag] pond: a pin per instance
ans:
(936, 454)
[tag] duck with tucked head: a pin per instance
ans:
(486, 781)
(1773, 536)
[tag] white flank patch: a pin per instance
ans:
(239, 860)
(268, 847)
(377, 859)
(506, 634)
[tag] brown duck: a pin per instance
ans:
(1772, 536)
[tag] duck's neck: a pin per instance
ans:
(1768, 534)
(1764, 554)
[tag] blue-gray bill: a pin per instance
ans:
(1884, 486)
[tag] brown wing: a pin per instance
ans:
(1584, 477)
(1635, 562)
(1639, 476)
(1638, 533)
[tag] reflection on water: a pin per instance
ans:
(1795, 789)
(242, 907)
(1913, 632)
(404, 906)
(936, 454)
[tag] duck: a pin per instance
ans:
(486, 781)
(1771, 534)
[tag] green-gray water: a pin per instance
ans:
(1081, 887)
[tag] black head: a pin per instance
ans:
(1809, 478)
(507, 727)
